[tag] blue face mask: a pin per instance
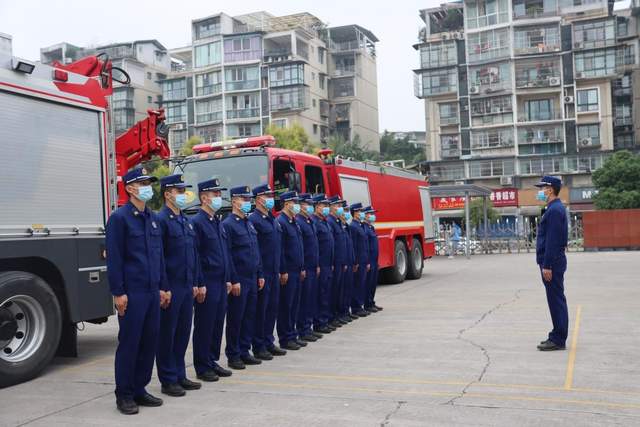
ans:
(361, 216)
(216, 203)
(326, 211)
(269, 203)
(348, 217)
(340, 211)
(541, 196)
(181, 200)
(145, 193)
(245, 207)
(310, 210)
(372, 218)
(296, 208)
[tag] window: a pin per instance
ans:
(595, 63)
(439, 81)
(176, 112)
(149, 76)
(622, 114)
(209, 83)
(289, 98)
(588, 100)
(588, 135)
(490, 78)
(492, 138)
(247, 48)
(536, 40)
(482, 13)
(149, 99)
(279, 123)
(210, 134)
(448, 113)
(343, 87)
(174, 90)
(321, 82)
(284, 75)
(623, 27)
(208, 54)
(243, 130)
(491, 168)
(488, 45)
(243, 106)
(344, 65)
(624, 141)
(449, 146)
(313, 76)
(592, 34)
(537, 73)
(314, 182)
(208, 28)
(242, 78)
(492, 111)
(208, 110)
(315, 129)
(530, 9)
(123, 119)
(438, 54)
(281, 170)
(122, 98)
(321, 55)
(313, 102)
(538, 109)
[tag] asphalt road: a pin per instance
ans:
(457, 347)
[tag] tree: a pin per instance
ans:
(351, 149)
(396, 149)
(476, 212)
(618, 182)
(187, 148)
(161, 170)
(291, 138)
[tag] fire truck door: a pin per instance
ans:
(427, 216)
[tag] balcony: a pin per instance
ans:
(623, 121)
(342, 113)
(535, 74)
(540, 140)
(213, 89)
(232, 86)
(344, 87)
(534, 9)
(553, 165)
(324, 108)
(122, 104)
(539, 117)
(449, 121)
(290, 98)
(449, 146)
(244, 113)
(530, 41)
(209, 117)
(432, 83)
(436, 55)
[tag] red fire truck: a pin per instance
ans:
(60, 167)
(405, 226)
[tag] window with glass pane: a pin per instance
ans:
(482, 13)
(284, 75)
(448, 113)
(487, 45)
(288, 98)
(538, 109)
(438, 54)
(589, 131)
(208, 28)
(439, 81)
(208, 54)
(623, 115)
(594, 34)
(595, 63)
(176, 112)
(492, 138)
(209, 83)
(242, 78)
(588, 100)
(209, 110)
(492, 77)
(242, 48)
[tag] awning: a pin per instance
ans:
(460, 190)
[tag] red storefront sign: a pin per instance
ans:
(504, 197)
(442, 203)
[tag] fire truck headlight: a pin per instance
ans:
(22, 65)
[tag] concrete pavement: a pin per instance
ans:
(456, 347)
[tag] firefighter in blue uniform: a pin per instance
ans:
(336, 210)
(214, 283)
(308, 286)
(291, 272)
(325, 250)
(372, 277)
(246, 278)
(551, 244)
(270, 242)
(135, 265)
(361, 255)
(348, 281)
(181, 262)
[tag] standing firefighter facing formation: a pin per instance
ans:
(258, 271)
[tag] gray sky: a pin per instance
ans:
(36, 23)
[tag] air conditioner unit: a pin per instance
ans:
(506, 180)
(445, 36)
(179, 126)
(568, 99)
(578, 75)
(554, 81)
(458, 35)
(474, 90)
(586, 142)
(578, 45)
(268, 60)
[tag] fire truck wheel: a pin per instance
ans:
(398, 272)
(416, 262)
(30, 326)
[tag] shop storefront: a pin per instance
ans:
(581, 199)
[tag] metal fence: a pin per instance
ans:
(503, 238)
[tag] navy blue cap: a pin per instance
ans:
(335, 200)
(173, 181)
(306, 198)
(369, 209)
(262, 190)
(320, 198)
(137, 174)
(356, 207)
(549, 181)
(210, 185)
(289, 196)
(241, 191)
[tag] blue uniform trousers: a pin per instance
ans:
(359, 288)
(308, 294)
(337, 283)
(259, 340)
(347, 291)
(323, 300)
(287, 309)
(208, 327)
(241, 318)
(175, 331)
(372, 285)
(272, 309)
(137, 343)
(558, 303)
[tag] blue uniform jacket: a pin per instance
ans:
(292, 248)
(269, 240)
(325, 241)
(135, 260)
(350, 254)
(213, 249)
(243, 247)
(373, 244)
(310, 241)
(360, 243)
(180, 252)
(340, 241)
(552, 235)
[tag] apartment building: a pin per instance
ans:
(516, 89)
(146, 61)
(242, 73)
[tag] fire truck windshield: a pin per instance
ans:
(251, 170)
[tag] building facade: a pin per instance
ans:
(147, 62)
(516, 89)
(240, 74)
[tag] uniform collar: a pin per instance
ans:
(238, 218)
(170, 213)
(135, 212)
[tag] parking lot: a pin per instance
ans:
(457, 347)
